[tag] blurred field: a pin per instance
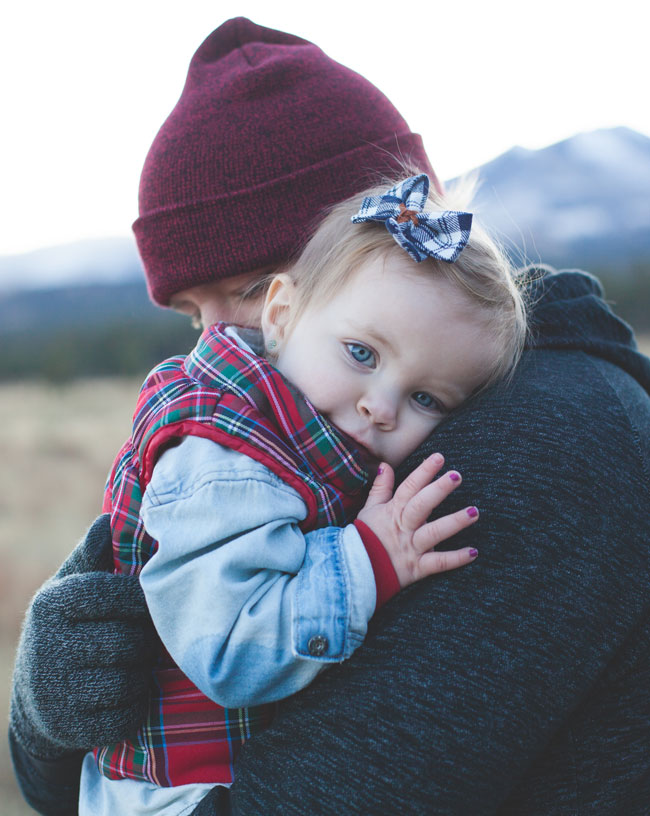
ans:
(56, 445)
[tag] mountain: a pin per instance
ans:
(91, 330)
(584, 201)
(104, 260)
(82, 309)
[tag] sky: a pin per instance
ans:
(85, 86)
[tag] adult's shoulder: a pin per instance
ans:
(561, 450)
(581, 374)
(569, 434)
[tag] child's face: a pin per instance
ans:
(387, 357)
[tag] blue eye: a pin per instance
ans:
(361, 354)
(428, 402)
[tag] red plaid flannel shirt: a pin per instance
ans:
(227, 394)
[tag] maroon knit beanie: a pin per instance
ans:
(268, 132)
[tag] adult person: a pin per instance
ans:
(517, 686)
(268, 133)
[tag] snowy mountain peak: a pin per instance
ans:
(103, 260)
(584, 201)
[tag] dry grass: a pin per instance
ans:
(56, 446)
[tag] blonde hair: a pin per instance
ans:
(482, 271)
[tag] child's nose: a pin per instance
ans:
(380, 409)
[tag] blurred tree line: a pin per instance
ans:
(87, 331)
(131, 349)
(629, 295)
(103, 331)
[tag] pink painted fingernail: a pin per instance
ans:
(472, 512)
(473, 553)
(455, 477)
(380, 469)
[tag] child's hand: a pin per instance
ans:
(400, 520)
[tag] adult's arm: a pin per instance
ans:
(82, 672)
(464, 679)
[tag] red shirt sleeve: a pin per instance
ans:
(386, 579)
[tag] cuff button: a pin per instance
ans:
(317, 645)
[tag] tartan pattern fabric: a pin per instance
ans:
(228, 394)
(186, 738)
(423, 234)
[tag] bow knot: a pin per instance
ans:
(406, 215)
(423, 234)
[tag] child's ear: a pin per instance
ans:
(276, 313)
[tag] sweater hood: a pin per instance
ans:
(567, 312)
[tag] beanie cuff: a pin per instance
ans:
(190, 245)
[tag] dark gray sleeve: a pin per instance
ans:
(82, 670)
(464, 678)
(50, 787)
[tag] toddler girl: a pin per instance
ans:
(250, 457)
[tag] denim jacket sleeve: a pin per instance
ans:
(248, 606)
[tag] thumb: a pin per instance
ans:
(382, 488)
(94, 552)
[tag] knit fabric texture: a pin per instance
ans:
(267, 134)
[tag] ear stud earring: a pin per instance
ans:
(272, 344)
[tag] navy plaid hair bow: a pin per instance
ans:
(441, 235)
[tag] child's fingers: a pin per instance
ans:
(382, 488)
(419, 478)
(443, 528)
(433, 562)
(420, 506)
